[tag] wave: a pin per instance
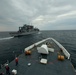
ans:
(7, 38)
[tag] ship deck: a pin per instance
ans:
(53, 67)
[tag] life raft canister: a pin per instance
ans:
(60, 57)
(28, 52)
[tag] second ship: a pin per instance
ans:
(25, 30)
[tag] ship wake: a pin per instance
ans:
(7, 38)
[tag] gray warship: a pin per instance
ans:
(25, 30)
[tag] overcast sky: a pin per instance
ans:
(44, 14)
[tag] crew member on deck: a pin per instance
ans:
(7, 69)
(16, 61)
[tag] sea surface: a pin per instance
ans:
(11, 47)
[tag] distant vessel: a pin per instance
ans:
(25, 30)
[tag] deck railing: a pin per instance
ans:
(66, 53)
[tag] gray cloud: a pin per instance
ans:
(45, 14)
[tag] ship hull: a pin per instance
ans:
(16, 34)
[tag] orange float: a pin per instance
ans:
(60, 57)
(28, 52)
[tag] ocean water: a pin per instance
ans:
(11, 47)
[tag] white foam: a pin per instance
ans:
(39, 32)
(7, 38)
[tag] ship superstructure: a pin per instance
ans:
(25, 30)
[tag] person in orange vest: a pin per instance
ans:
(16, 61)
